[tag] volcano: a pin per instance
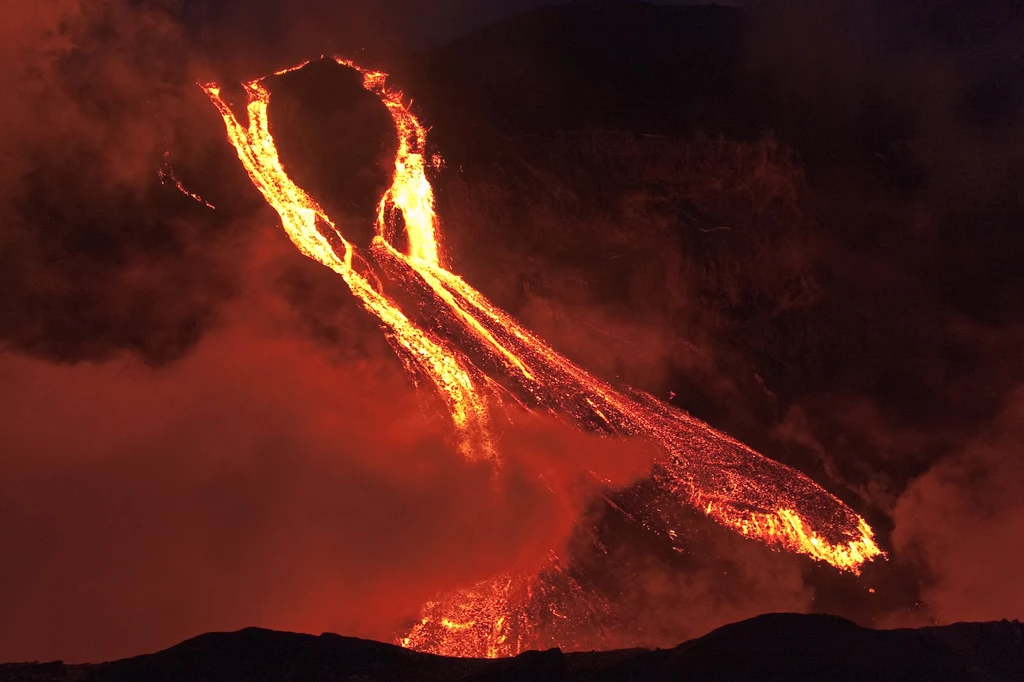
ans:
(728, 321)
(477, 358)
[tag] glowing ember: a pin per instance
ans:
(472, 350)
(166, 174)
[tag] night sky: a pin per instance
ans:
(811, 238)
(418, 22)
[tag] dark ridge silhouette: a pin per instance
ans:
(789, 647)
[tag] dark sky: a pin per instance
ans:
(418, 23)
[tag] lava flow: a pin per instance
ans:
(475, 354)
(510, 614)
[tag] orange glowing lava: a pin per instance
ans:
(504, 615)
(473, 353)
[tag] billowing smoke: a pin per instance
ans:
(256, 480)
(962, 521)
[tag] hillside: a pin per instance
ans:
(781, 646)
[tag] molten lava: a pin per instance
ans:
(474, 355)
(505, 616)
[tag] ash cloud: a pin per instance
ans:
(669, 604)
(962, 522)
(97, 255)
(256, 481)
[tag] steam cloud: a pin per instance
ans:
(255, 481)
(963, 519)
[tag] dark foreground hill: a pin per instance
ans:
(776, 647)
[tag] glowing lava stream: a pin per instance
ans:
(473, 349)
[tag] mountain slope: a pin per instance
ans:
(779, 646)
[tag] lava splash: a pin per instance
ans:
(476, 357)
